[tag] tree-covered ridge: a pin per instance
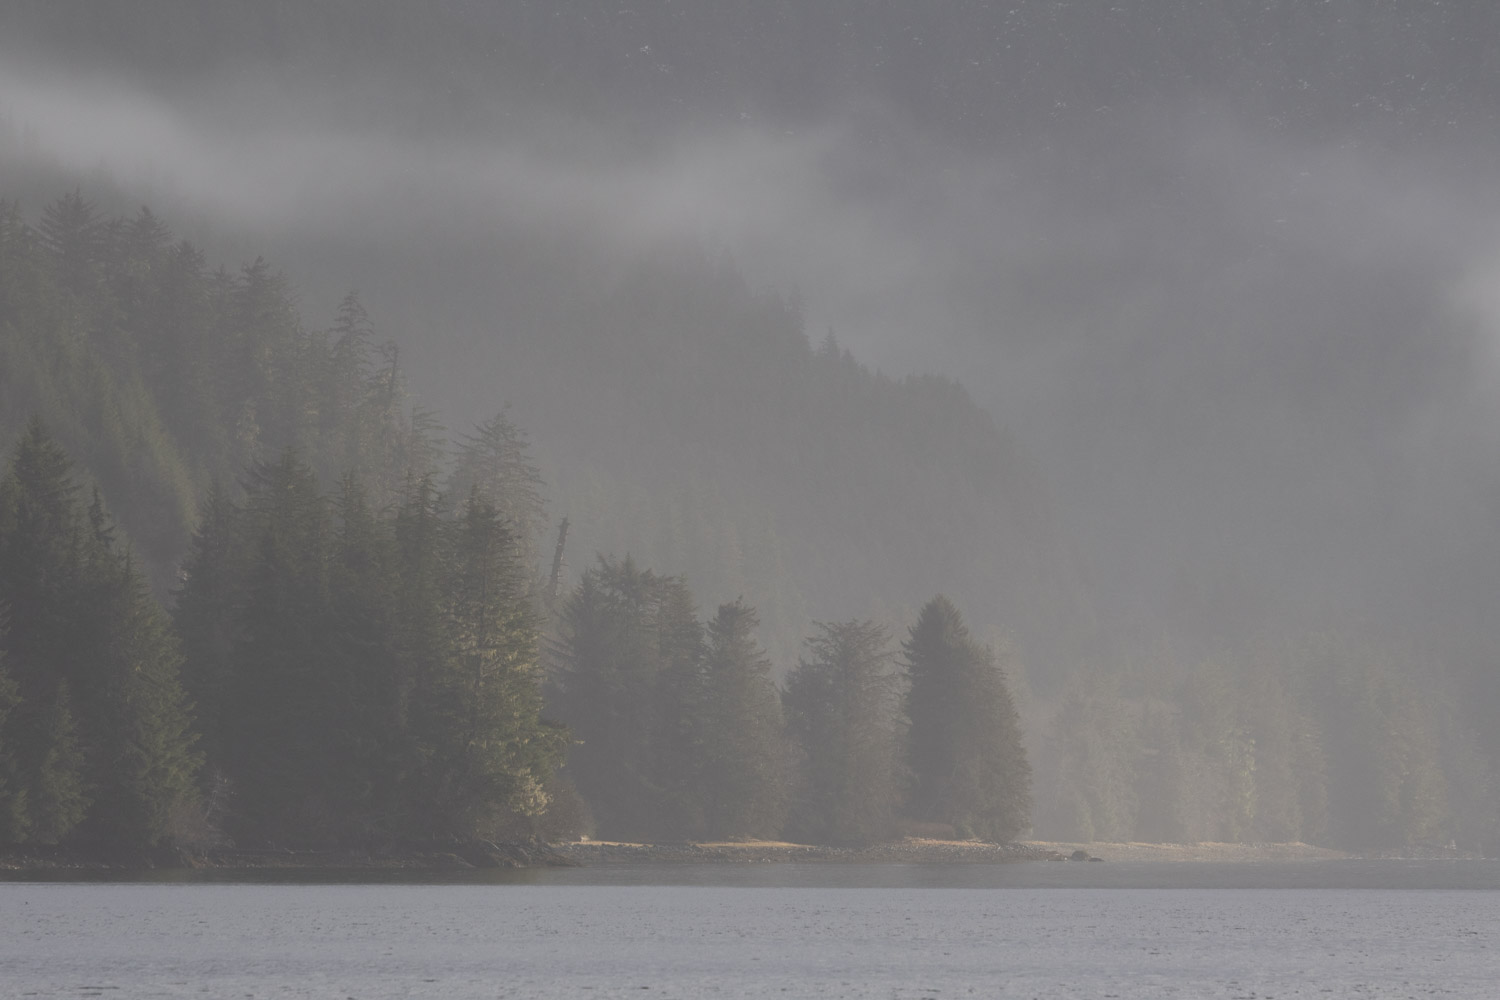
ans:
(160, 374)
(341, 587)
(680, 415)
(698, 428)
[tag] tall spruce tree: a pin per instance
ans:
(41, 583)
(745, 762)
(629, 686)
(419, 623)
(496, 460)
(841, 708)
(370, 750)
(145, 758)
(484, 746)
(207, 616)
(75, 237)
(968, 765)
(277, 736)
(12, 792)
(681, 692)
(604, 691)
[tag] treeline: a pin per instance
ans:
(359, 676)
(372, 677)
(681, 732)
(1328, 739)
(198, 402)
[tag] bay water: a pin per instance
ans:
(1038, 929)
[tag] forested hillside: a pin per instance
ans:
(682, 417)
(162, 374)
(1223, 267)
(324, 602)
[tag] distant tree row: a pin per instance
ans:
(370, 677)
(1325, 739)
(680, 732)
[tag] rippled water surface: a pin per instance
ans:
(1312, 929)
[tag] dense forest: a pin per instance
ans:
(370, 640)
(364, 664)
(1213, 497)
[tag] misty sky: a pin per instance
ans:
(1258, 365)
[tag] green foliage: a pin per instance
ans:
(57, 796)
(12, 789)
(841, 716)
(968, 764)
(629, 684)
(326, 642)
(746, 767)
(496, 461)
(147, 763)
(477, 720)
(374, 676)
(161, 375)
(98, 744)
(206, 613)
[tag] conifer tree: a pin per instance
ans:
(276, 738)
(370, 753)
(146, 761)
(605, 693)
(58, 793)
(207, 615)
(484, 746)
(41, 574)
(496, 460)
(630, 687)
(681, 693)
(968, 765)
(12, 791)
(745, 762)
(841, 714)
(75, 237)
(421, 546)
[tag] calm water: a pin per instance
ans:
(1312, 929)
